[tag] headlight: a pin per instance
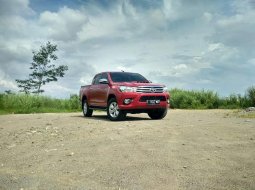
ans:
(127, 89)
(165, 89)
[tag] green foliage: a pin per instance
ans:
(24, 85)
(74, 102)
(25, 103)
(42, 70)
(181, 99)
(250, 95)
(184, 99)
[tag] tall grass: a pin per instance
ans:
(181, 99)
(22, 103)
(184, 99)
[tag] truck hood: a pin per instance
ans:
(135, 84)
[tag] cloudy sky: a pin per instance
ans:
(189, 44)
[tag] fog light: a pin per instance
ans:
(168, 101)
(127, 101)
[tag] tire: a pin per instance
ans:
(157, 113)
(113, 111)
(87, 112)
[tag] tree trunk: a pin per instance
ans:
(39, 86)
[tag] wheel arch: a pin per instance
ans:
(83, 98)
(110, 97)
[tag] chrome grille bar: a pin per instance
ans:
(150, 89)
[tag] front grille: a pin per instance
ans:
(145, 98)
(150, 89)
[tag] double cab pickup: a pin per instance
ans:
(120, 93)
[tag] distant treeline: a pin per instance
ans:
(180, 99)
(191, 99)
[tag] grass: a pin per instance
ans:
(249, 115)
(184, 99)
(242, 114)
(22, 103)
(181, 99)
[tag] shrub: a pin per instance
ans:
(184, 99)
(250, 95)
(74, 102)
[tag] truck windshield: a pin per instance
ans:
(128, 77)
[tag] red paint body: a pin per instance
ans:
(98, 95)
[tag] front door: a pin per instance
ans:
(99, 92)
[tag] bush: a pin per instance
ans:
(250, 95)
(74, 102)
(184, 99)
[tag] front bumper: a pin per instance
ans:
(139, 100)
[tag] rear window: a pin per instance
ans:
(127, 77)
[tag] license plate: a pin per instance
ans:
(153, 102)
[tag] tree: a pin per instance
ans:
(8, 92)
(25, 85)
(43, 71)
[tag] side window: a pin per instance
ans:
(104, 76)
(93, 81)
(96, 79)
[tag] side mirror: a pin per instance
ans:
(103, 81)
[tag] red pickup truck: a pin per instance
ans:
(120, 93)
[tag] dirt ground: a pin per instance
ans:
(205, 149)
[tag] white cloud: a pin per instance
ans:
(122, 68)
(208, 16)
(15, 7)
(6, 82)
(214, 46)
(58, 90)
(170, 9)
(99, 27)
(179, 70)
(64, 24)
(236, 30)
(252, 61)
(179, 43)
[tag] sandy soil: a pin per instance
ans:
(186, 150)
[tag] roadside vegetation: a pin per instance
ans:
(191, 99)
(25, 103)
(180, 99)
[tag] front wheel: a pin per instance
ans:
(87, 112)
(113, 111)
(158, 113)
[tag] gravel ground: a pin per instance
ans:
(205, 149)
